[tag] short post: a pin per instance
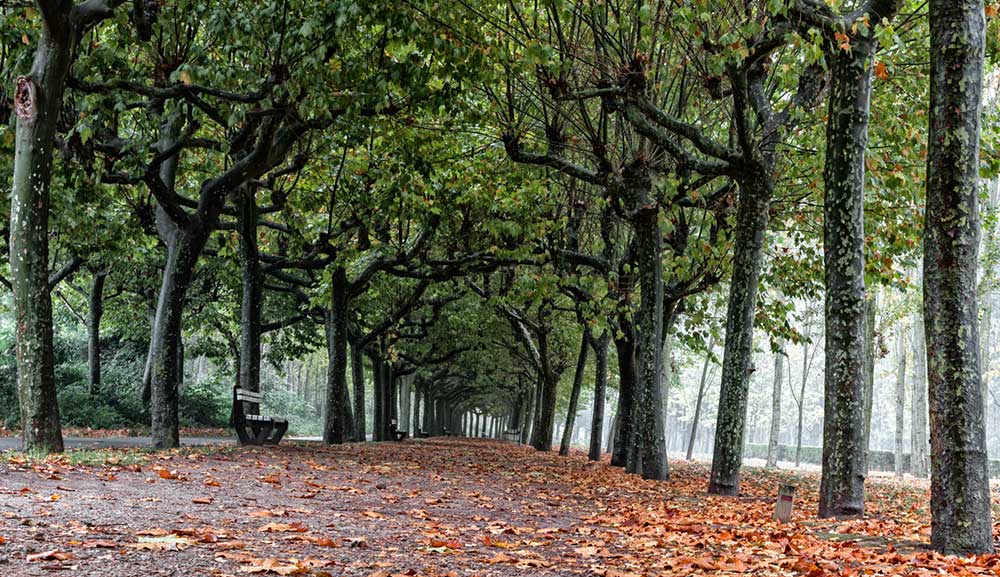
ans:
(783, 507)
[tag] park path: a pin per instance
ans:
(14, 443)
(435, 508)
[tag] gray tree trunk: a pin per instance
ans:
(772, 443)
(649, 436)
(336, 428)
(842, 481)
(919, 464)
(960, 492)
(358, 380)
(701, 396)
(600, 346)
(37, 102)
(900, 399)
(253, 290)
(96, 312)
(574, 395)
(730, 428)
(871, 320)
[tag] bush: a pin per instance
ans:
(205, 404)
(78, 408)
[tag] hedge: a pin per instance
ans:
(877, 460)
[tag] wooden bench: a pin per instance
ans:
(251, 427)
(512, 435)
(395, 433)
(421, 434)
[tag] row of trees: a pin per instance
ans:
(425, 185)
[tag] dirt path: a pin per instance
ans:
(437, 507)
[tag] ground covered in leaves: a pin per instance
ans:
(436, 507)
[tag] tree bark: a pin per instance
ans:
(37, 102)
(701, 397)
(252, 288)
(960, 492)
(842, 481)
(622, 428)
(918, 402)
(751, 224)
(900, 399)
(548, 383)
(871, 319)
(600, 346)
(335, 426)
(649, 436)
(574, 395)
(779, 373)
(96, 312)
(358, 380)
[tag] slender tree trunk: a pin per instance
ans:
(377, 396)
(918, 401)
(418, 387)
(600, 346)
(358, 378)
(405, 384)
(335, 429)
(842, 482)
(94, 329)
(37, 102)
(960, 491)
(253, 290)
(548, 384)
(900, 399)
(574, 396)
(625, 346)
(871, 309)
(751, 224)
(779, 373)
(802, 399)
(701, 397)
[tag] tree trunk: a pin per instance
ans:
(806, 362)
(253, 290)
(37, 102)
(358, 378)
(183, 247)
(842, 482)
(649, 436)
(625, 346)
(574, 395)
(900, 399)
(335, 429)
(871, 309)
(918, 401)
(772, 442)
(751, 224)
(960, 491)
(94, 329)
(600, 346)
(541, 438)
(701, 397)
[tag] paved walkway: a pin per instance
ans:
(14, 443)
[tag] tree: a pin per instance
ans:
(960, 491)
(779, 373)
(38, 100)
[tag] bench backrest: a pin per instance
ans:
(251, 400)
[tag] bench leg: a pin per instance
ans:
(279, 432)
(261, 432)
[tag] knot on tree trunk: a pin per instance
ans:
(25, 98)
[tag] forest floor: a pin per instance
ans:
(435, 507)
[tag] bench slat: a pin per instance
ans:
(249, 396)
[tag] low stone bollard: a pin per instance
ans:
(783, 506)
